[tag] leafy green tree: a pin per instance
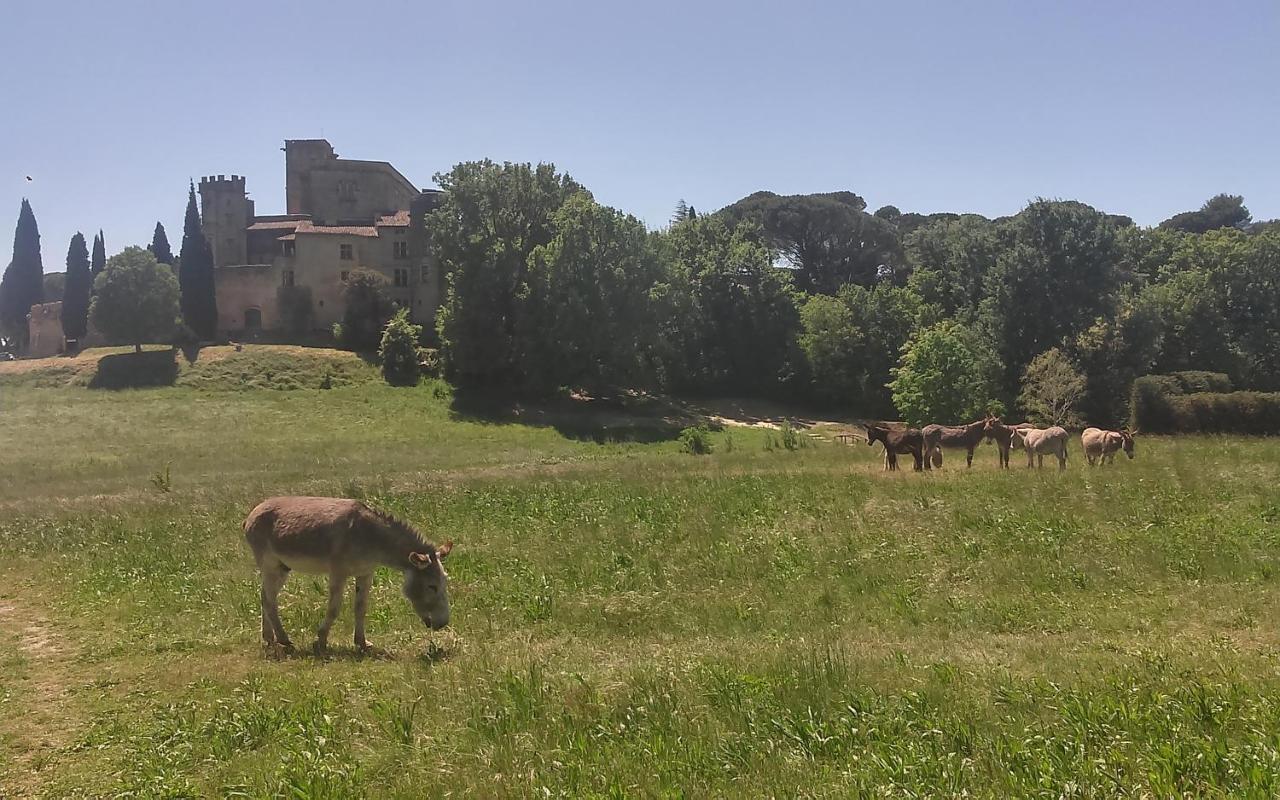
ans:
(159, 246)
(75, 300)
(1056, 273)
(55, 286)
(195, 275)
(587, 318)
(1219, 211)
(1114, 351)
(367, 310)
(852, 341)
(492, 218)
(135, 299)
(829, 239)
(23, 283)
(950, 260)
(947, 375)
(1052, 389)
(1195, 333)
(731, 317)
(98, 261)
(399, 350)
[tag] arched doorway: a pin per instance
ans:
(253, 319)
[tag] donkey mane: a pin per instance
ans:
(400, 526)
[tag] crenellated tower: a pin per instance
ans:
(225, 212)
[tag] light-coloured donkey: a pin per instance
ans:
(1039, 442)
(1101, 446)
(342, 539)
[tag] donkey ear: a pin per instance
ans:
(444, 549)
(421, 560)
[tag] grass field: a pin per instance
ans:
(628, 620)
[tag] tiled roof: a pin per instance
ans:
(339, 230)
(276, 225)
(400, 219)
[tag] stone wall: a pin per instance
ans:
(44, 331)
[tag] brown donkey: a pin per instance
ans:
(967, 437)
(343, 539)
(1002, 435)
(898, 441)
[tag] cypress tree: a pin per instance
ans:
(159, 246)
(23, 283)
(195, 275)
(75, 299)
(99, 262)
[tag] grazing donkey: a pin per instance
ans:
(343, 539)
(1100, 446)
(967, 437)
(1002, 435)
(898, 441)
(1038, 442)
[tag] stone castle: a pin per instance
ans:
(286, 272)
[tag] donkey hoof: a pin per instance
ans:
(364, 647)
(320, 648)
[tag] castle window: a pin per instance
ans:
(347, 190)
(344, 275)
(426, 271)
(400, 249)
(401, 277)
(286, 248)
(346, 252)
(288, 278)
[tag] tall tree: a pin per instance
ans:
(948, 374)
(23, 283)
(195, 275)
(828, 238)
(1219, 211)
(75, 299)
(492, 219)
(98, 262)
(159, 246)
(1056, 273)
(588, 320)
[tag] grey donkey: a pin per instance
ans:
(342, 539)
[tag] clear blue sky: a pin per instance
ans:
(1141, 108)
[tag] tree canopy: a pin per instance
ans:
(135, 299)
(195, 274)
(75, 301)
(22, 285)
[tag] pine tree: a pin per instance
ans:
(159, 246)
(99, 262)
(681, 213)
(195, 275)
(23, 283)
(75, 299)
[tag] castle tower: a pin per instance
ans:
(225, 212)
(301, 156)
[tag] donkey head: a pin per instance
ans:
(1126, 437)
(426, 586)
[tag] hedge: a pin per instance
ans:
(1231, 412)
(1150, 407)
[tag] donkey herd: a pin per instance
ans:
(926, 444)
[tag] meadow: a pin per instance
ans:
(629, 620)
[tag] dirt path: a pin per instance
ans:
(40, 720)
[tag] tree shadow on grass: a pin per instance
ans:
(136, 370)
(604, 419)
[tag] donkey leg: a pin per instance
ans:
(336, 581)
(968, 459)
(363, 584)
(922, 463)
(273, 579)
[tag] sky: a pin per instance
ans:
(1138, 108)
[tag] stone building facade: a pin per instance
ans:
(285, 273)
(44, 331)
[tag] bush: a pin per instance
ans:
(296, 310)
(1150, 400)
(399, 351)
(1255, 413)
(367, 310)
(696, 441)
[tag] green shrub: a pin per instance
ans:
(1255, 413)
(696, 440)
(399, 350)
(1150, 400)
(789, 436)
